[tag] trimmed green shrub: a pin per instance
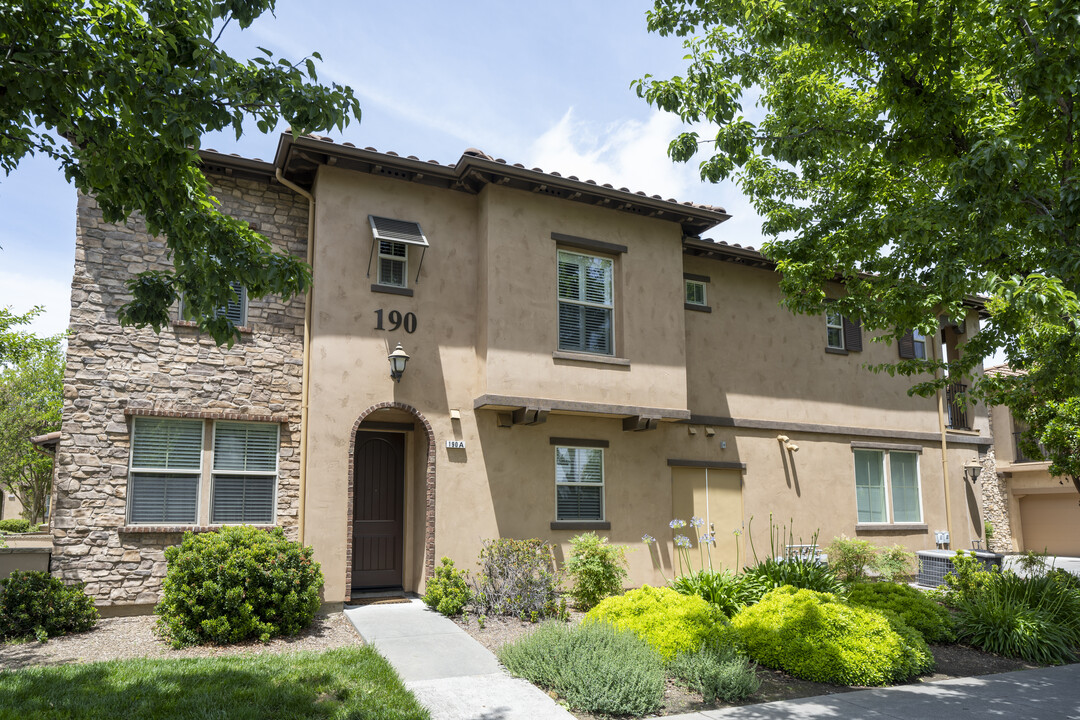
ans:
(669, 621)
(968, 578)
(915, 609)
(595, 667)
(725, 590)
(851, 558)
(894, 562)
(14, 525)
(36, 604)
(237, 583)
(448, 592)
(717, 672)
(1034, 618)
(797, 572)
(816, 636)
(516, 579)
(598, 569)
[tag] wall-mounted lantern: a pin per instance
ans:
(397, 359)
(972, 472)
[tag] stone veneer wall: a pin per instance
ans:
(114, 372)
(995, 497)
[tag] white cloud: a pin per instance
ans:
(633, 154)
(22, 292)
(627, 153)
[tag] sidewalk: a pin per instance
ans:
(452, 675)
(458, 679)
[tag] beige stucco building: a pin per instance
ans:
(581, 358)
(1031, 511)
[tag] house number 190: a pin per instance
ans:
(396, 320)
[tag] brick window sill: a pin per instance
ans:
(177, 529)
(244, 329)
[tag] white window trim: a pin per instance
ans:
(917, 339)
(132, 470)
(205, 475)
(258, 473)
(602, 484)
(403, 259)
(839, 325)
(585, 303)
(704, 292)
(886, 474)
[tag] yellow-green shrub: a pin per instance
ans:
(669, 621)
(816, 636)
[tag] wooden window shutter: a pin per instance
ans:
(906, 346)
(852, 335)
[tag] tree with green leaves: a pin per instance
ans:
(920, 152)
(16, 344)
(31, 400)
(120, 92)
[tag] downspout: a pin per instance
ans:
(307, 348)
(944, 454)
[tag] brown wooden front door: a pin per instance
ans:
(378, 509)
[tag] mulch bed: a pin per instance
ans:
(134, 637)
(953, 661)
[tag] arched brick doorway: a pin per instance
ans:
(429, 489)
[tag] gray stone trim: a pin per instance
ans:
(587, 244)
(391, 290)
(713, 464)
(578, 442)
(590, 358)
(503, 402)
(697, 308)
(755, 424)
(857, 445)
(891, 527)
(699, 278)
(580, 525)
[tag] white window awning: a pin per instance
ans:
(401, 231)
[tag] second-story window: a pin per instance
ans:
(834, 329)
(695, 293)
(918, 343)
(393, 263)
(236, 309)
(586, 303)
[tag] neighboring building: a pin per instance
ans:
(580, 360)
(10, 507)
(1030, 510)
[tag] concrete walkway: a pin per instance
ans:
(458, 679)
(454, 676)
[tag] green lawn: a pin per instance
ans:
(354, 683)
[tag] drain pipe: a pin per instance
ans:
(308, 298)
(944, 454)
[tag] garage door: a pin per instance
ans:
(1051, 523)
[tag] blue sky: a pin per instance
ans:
(545, 84)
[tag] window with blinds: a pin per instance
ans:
(393, 263)
(166, 462)
(579, 483)
(586, 303)
(245, 472)
(236, 310)
(887, 488)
